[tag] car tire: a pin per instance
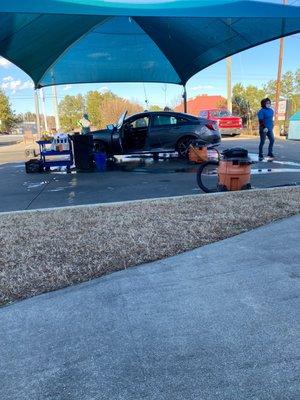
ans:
(183, 145)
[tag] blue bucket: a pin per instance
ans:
(100, 161)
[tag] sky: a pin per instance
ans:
(255, 66)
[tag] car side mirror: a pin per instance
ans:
(110, 127)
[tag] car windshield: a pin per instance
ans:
(220, 113)
(224, 113)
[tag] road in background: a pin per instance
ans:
(7, 140)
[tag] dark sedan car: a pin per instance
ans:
(155, 132)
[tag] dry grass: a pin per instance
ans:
(47, 250)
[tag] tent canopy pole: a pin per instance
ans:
(184, 99)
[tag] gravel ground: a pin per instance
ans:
(50, 249)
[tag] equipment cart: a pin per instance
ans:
(55, 158)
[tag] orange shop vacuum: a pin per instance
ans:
(234, 170)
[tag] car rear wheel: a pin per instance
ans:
(183, 146)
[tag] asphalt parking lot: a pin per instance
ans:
(133, 179)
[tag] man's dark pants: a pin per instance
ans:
(263, 135)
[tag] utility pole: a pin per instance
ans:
(44, 108)
(37, 112)
(146, 98)
(229, 85)
(279, 72)
(165, 88)
(55, 107)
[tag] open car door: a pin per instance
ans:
(117, 135)
(120, 121)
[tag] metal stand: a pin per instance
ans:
(44, 152)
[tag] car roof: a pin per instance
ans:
(171, 113)
(214, 109)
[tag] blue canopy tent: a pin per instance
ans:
(83, 41)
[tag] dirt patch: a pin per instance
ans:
(46, 250)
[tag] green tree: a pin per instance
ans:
(222, 103)
(290, 90)
(270, 89)
(289, 82)
(29, 117)
(93, 106)
(155, 108)
(254, 96)
(7, 116)
(288, 85)
(294, 104)
(297, 80)
(246, 101)
(112, 106)
(71, 109)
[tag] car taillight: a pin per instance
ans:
(211, 127)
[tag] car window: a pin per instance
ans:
(182, 121)
(161, 120)
(224, 113)
(203, 114)
(219, 113)
(214, 114)
(140, 123)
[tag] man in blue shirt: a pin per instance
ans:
(265, 118)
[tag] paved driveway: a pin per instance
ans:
(133, 179)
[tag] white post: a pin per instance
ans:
(229, 88)
(37, 112)
(55, 107)
(44, 108)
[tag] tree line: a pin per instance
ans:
(102, 109)
(105, 108)
(246, 99)
(8, 117)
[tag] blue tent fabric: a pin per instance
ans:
(81, 41)
(295, 117)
